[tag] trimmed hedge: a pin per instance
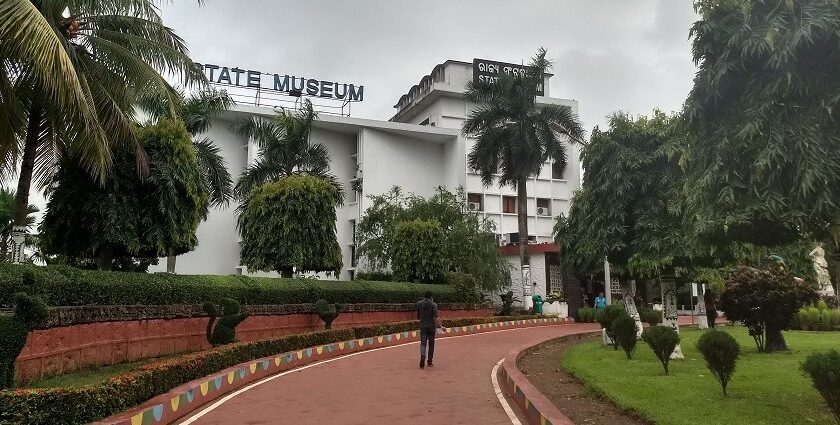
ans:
(127, 390)
(68, 286)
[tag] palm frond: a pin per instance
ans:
(214, 172)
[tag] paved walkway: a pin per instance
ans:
(387, 386)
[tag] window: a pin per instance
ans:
(425, 122)
(475, 202)
(509, 204)
(353, 230)
(543, 206)
(557, 170)
(352, 274)
(353, 261)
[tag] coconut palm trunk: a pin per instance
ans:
(30, 146)
(170, 263)
(522, 220)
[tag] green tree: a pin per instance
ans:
(762, 160)
(286, 150)
(129, 216)
(631, 207)
(417, 251)
(514, 136)
(289, 225)
(469, 242)
(198, 112)
(71, 72)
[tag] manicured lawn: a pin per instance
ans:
(766, 388)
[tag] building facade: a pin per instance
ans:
(419, 149)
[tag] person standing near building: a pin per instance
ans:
(427, 313)
(600, 302)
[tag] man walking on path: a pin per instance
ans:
(427, 313)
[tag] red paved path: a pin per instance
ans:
(387, 386)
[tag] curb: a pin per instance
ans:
(187, 398)
(534, 406)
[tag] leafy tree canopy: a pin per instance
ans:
(417, 251)
(129, 216)
(289, 225)
(469, 243)
(762, 160)
(631, 204)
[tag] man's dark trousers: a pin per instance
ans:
(427, 336)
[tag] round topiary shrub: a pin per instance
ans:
(721, 351)
(625, 330)
(824, 371)
(662, 340)
(607, 317)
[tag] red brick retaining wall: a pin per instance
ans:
(65, 349)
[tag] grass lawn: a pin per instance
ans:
(765, 389)
(87, 376)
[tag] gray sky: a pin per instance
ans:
(610, 55)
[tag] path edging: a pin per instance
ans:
(534, 406)
(187, 398)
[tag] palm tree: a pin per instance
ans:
(285, 150)
(514, 136)
(70, 72)
(197, 112)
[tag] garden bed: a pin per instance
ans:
(541, 365)
(765, 389)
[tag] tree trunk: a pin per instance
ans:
(522, 220)
(30, 147)
(106, 258)
(170, 263)
(669, 309)
(628, 294)
(774, 339)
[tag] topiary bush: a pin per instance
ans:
(650, 316)
(586, 315)
(29, 313)
(417, 251)
(721, 351)
(608, 316)
(824, 371)
(327, 312)
(662, 340)
(625, 330)
(221, 329)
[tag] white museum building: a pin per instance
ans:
(419, 149)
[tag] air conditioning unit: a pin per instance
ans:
(542, 211)
(475, 206)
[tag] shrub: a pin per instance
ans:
(465, 286)
(834, 318)
(822, 305)
(29, 313)
(377, 276)
(585, 315)
(625, 330)
(327, 312)
(765, 301)
(507, 303)
(221, 328)
(68, 286)
(824, 371)
(607, 318)
(555, 296)
(662, 340)
(720, 351)
(650, 316)
(417, 251)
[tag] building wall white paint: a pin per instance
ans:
(400, 152)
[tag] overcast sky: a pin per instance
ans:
(610, 55)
